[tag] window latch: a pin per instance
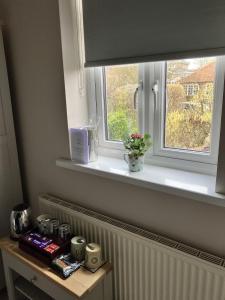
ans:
(155, 90)
(138, 88)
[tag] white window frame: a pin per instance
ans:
(150, 118)
(202, 157)
(98, 89)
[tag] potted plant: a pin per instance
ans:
(136, 145)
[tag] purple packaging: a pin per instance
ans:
(38, 240)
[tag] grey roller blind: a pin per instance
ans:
(127, 31)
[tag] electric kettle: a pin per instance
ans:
(20, 220)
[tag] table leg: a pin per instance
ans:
(8, 278)
(108, 291)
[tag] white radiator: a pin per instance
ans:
(146, 266)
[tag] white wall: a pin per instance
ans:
(33, 47)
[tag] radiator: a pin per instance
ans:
(146, 266)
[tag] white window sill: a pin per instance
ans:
(190, 185)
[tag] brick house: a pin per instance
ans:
(200, 83)
(199, 79)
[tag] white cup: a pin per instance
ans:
(93, 256)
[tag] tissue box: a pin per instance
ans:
(83, 144)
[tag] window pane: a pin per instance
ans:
(189, 103)
(120, 115)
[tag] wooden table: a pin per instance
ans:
(81, 284)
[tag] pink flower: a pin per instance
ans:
(136, 136)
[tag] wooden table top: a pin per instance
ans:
(78, 284)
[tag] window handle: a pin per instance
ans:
(155, 90)
(155, 87)
(138, 88)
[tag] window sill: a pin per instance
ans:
(190, 185)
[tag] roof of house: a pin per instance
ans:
(203, 75)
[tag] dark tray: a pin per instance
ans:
(46, 254)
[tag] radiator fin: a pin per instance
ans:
(146, 266)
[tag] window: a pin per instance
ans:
(188, 116)
(191, 89)
(120, 113)
(178, 102)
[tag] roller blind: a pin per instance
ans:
(129, 31)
